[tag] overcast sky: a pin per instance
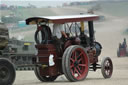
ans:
(38, 3)
(41, 3)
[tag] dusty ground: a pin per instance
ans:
(109, 34)
(120, 77)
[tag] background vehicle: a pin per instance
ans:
(122, 50)
(77, 54)
(7, 70)
(19, 52)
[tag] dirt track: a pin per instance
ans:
(109, 34)
(120, 77)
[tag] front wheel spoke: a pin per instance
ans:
(108, 72)
(108, 64)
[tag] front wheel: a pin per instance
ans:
(107, 67)
(75, 63)
(7, 72)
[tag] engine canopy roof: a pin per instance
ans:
(61, 19)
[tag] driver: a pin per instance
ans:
(58, 31)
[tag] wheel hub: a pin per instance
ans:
(107, 67)
(3, 73)
(76, 63)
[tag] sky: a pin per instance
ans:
(38, 3)
(43, 3)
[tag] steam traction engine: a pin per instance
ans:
(122, 50)
(72, 56)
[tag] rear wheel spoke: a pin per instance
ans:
(75, 56)
(74, 70)
(79, 69)
(72, 59)
(79, 60)
(78, 72)
(79, 55)
(82, 65)
(72, 66)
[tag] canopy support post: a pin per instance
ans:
(82, 27)
(91, 32)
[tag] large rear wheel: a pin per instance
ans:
(75, 63)
(7, 72)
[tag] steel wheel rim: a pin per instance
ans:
(4, 73)
(108, 68)
(78, 64)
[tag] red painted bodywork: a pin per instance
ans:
(122, 51)
(44, 52)
(46, 49)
